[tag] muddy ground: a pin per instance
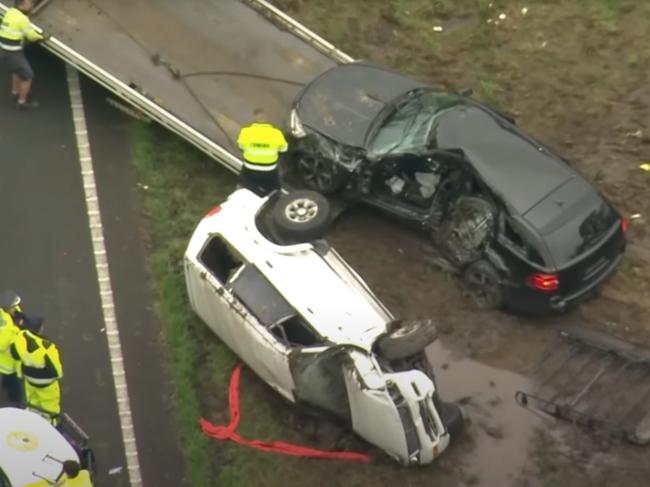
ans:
(575, 74)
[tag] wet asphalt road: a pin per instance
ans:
(47, 258)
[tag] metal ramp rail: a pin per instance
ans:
(595, 381)
(217, 146)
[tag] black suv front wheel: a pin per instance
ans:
(319, 173)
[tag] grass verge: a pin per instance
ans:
(175, 196)
(179, 185)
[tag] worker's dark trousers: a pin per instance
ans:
(259, 182)
(14, 388)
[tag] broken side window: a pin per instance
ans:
(271, 309)
(259, 296)
(519, 244)
(295, 332)
(220, 259)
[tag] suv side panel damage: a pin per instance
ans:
(467, 176)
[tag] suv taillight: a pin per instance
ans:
(213, 211)
(625, 223)
(544, 282)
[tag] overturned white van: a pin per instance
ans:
(310, 327)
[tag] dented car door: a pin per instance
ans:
(318, 375)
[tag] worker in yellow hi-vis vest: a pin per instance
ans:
(41, 369)
(73, 476)
(10, 319)
(261, 144)
(15, 31)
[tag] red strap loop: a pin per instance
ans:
(229, 432)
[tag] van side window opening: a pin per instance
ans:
(220, 259)
(271, 309)
(295, 332)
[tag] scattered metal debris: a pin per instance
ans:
(596, 381)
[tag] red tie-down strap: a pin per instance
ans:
(229, 432)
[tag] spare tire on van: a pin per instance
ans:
(302, 216)
(407, 338)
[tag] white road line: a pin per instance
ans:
(104, 278)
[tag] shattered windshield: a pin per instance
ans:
(408, 129)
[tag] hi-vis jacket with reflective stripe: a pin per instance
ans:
(261, 144)
(8, 333)
(15, 29)
(40, 362)
(81, 480)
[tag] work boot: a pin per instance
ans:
(26, 105)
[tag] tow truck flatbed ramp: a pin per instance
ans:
(198, 67)
(596, 381)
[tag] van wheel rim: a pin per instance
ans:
(301, 210)
(403, 331)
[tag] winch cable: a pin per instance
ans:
(229, 432)
(182, 77)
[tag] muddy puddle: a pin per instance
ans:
(498, 431)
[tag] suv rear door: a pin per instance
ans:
(582, 232)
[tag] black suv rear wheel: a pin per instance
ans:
(484, 285)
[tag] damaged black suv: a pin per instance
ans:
(524, 229)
